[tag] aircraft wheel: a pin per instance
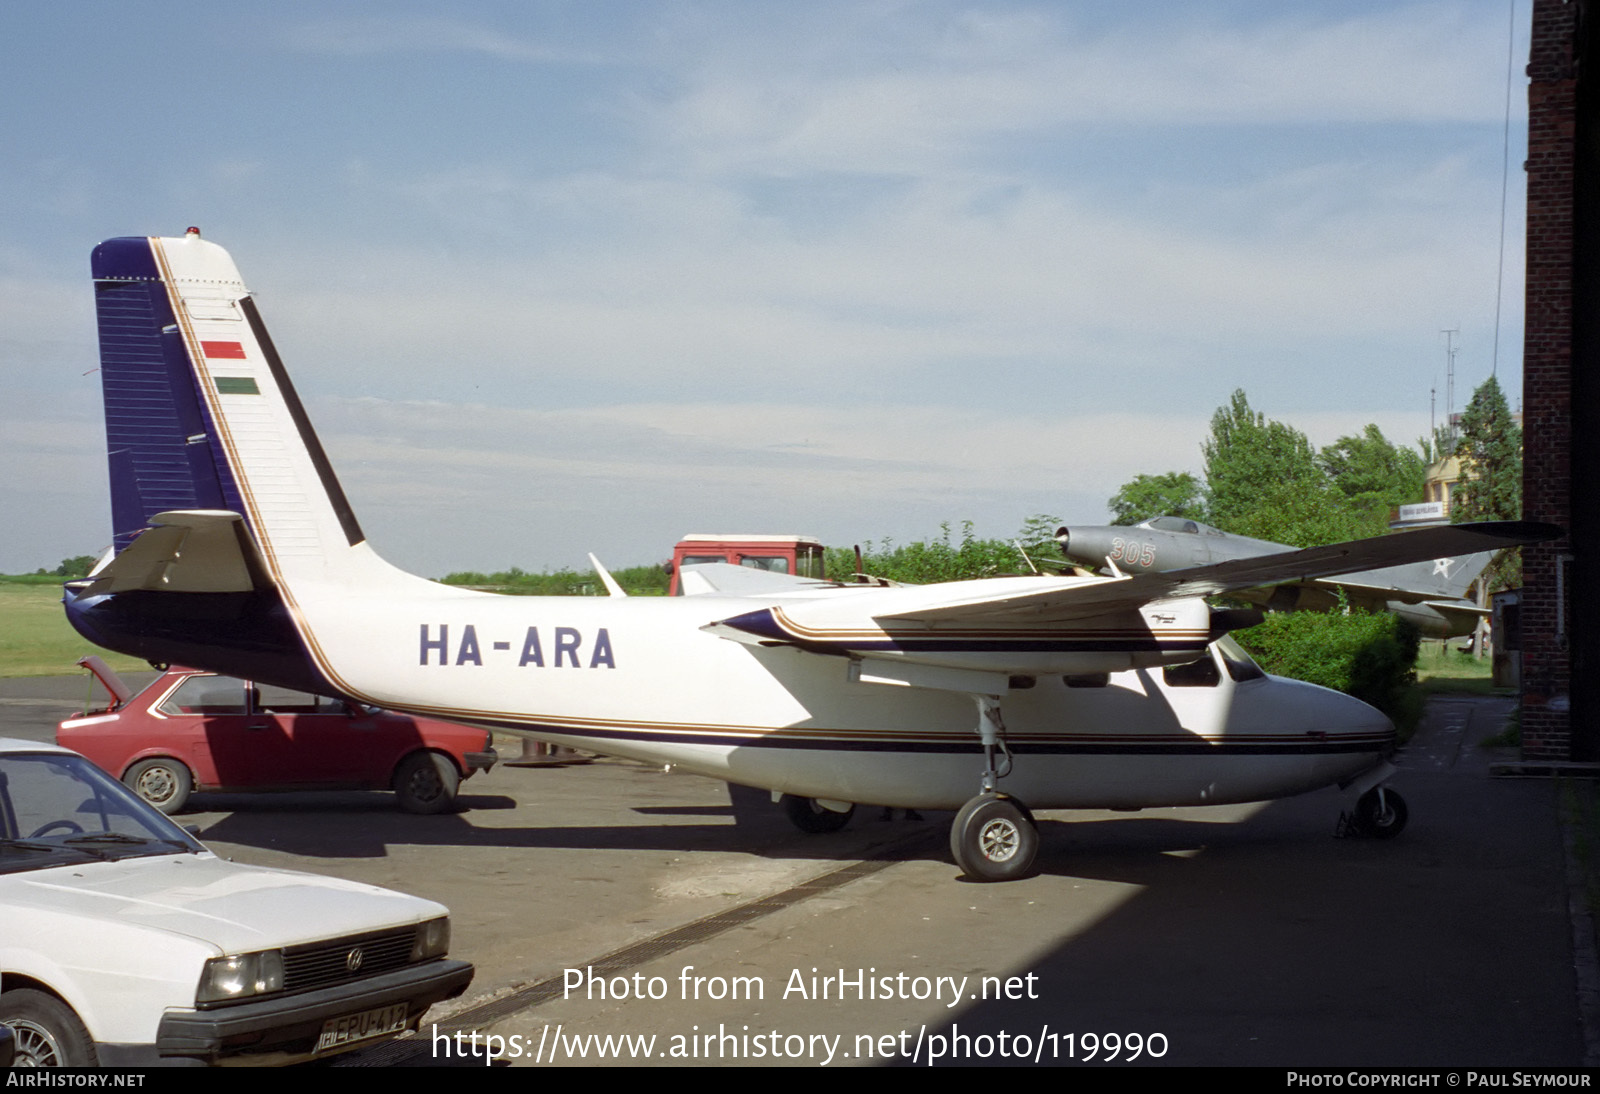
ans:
(1381, 816)
(164, 783)
(994, 839)
(808, 816)
(426, 782)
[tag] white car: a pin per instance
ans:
(124, 942)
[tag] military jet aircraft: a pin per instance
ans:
(235, 549)
(1430, 594)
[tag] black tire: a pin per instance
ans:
(47, 1032)
(994, 839)
(808, 816)
(426, 782)
(163, 782)
(1381, 816)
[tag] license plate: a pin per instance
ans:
(337, 1032)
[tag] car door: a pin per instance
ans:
(328, 742)
(245, 750)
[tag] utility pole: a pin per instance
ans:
(1450, 382)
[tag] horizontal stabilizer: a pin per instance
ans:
(193, 551)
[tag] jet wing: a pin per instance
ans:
(1065, 600)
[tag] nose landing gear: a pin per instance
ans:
(1380, 814)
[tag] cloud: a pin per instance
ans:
(376, 35)
(438, 483)
(908, 90)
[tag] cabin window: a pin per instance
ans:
(1196, 674)
(808, 562)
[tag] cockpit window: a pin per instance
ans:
(1241, 666)
(1173, 524)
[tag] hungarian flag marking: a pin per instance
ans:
(225, 350)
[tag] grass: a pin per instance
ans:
(1442, 669)
(35, 639)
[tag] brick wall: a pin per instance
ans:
(1548, 357)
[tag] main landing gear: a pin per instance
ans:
(993, 837)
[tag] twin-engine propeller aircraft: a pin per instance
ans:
(236, 550)
(1431, 594)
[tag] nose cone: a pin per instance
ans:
(1315, 711)
(1302, 738)
(1087, 546)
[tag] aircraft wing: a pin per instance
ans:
(726, 579)
(1064, 600)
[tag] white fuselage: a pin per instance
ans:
(639, 678)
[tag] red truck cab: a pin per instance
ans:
(797, 555)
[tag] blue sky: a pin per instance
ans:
(559, 277)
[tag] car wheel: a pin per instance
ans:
(426, 782)
(163, 782)
(47, 1032)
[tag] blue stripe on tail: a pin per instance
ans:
(158, 432)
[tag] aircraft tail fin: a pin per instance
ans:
(1463, 573)
(229, 523)
(1446, 578)
(200, 413)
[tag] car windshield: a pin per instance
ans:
(57, 809)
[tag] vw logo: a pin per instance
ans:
(352, 960)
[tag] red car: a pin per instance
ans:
(193, 730)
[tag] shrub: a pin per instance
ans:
(927, 562)
(1370, 656)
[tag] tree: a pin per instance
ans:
(1263, 480)
(78, 566)
(1038, 535)
(1177, 493)
(928, 561)
(1374, 475)
(1490, 450)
